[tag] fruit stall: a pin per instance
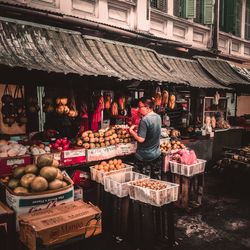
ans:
(63, 145)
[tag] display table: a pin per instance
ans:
(211, 148)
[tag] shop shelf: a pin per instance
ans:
(187, 170)
(98, 175)
(154, 197)
(117, 184)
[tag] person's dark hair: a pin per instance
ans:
(147, 102)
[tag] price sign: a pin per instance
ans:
(74, 156)
(97, 154)
(126, 148)
(73, 153)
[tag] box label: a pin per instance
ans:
(27, 204)
(9, 163)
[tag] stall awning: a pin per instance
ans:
(40, 47)
(191, 71)
(244, 72)
(221, 71)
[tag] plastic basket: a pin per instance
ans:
(117, 184)
(187, 170)
(154, 197)
(98, 175)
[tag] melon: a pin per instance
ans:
(44, 160)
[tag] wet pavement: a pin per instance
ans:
(222, 222)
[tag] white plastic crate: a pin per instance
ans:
(117, 184)
(98, 175)
(154, 197)
(187, 170)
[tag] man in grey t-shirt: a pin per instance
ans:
(148, 137)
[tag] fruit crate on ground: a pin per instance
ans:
(154, 192)
(99, 175)
(117, 184)
(187, 170)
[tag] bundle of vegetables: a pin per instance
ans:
(12, 148)
(43, 176)
(103, 138)
(60, 144)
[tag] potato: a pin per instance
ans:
(55, 184)
(49, 173)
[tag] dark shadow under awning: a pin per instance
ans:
(46, 48)
(191, 71)
(221, 71)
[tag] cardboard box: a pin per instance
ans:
(7, 227)
(28, 203)
(7, 164)
(73, 156)
(58, 224)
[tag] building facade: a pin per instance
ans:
(191, 22)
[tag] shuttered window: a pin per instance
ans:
(159, 5)
(230, 16)
(247, 23)
(188, 8)
(208, 11)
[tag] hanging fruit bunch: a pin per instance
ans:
(48, 104)
(62, 107)
(114, 109)
(157, 98)
(33, 106)
(165, 96)
(121, 103)
(19, 105)
(8, 109)
(107, 101)
(172, 101)
(72, 110)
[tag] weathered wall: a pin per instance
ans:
(243, 105)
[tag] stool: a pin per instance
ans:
(190, 190)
